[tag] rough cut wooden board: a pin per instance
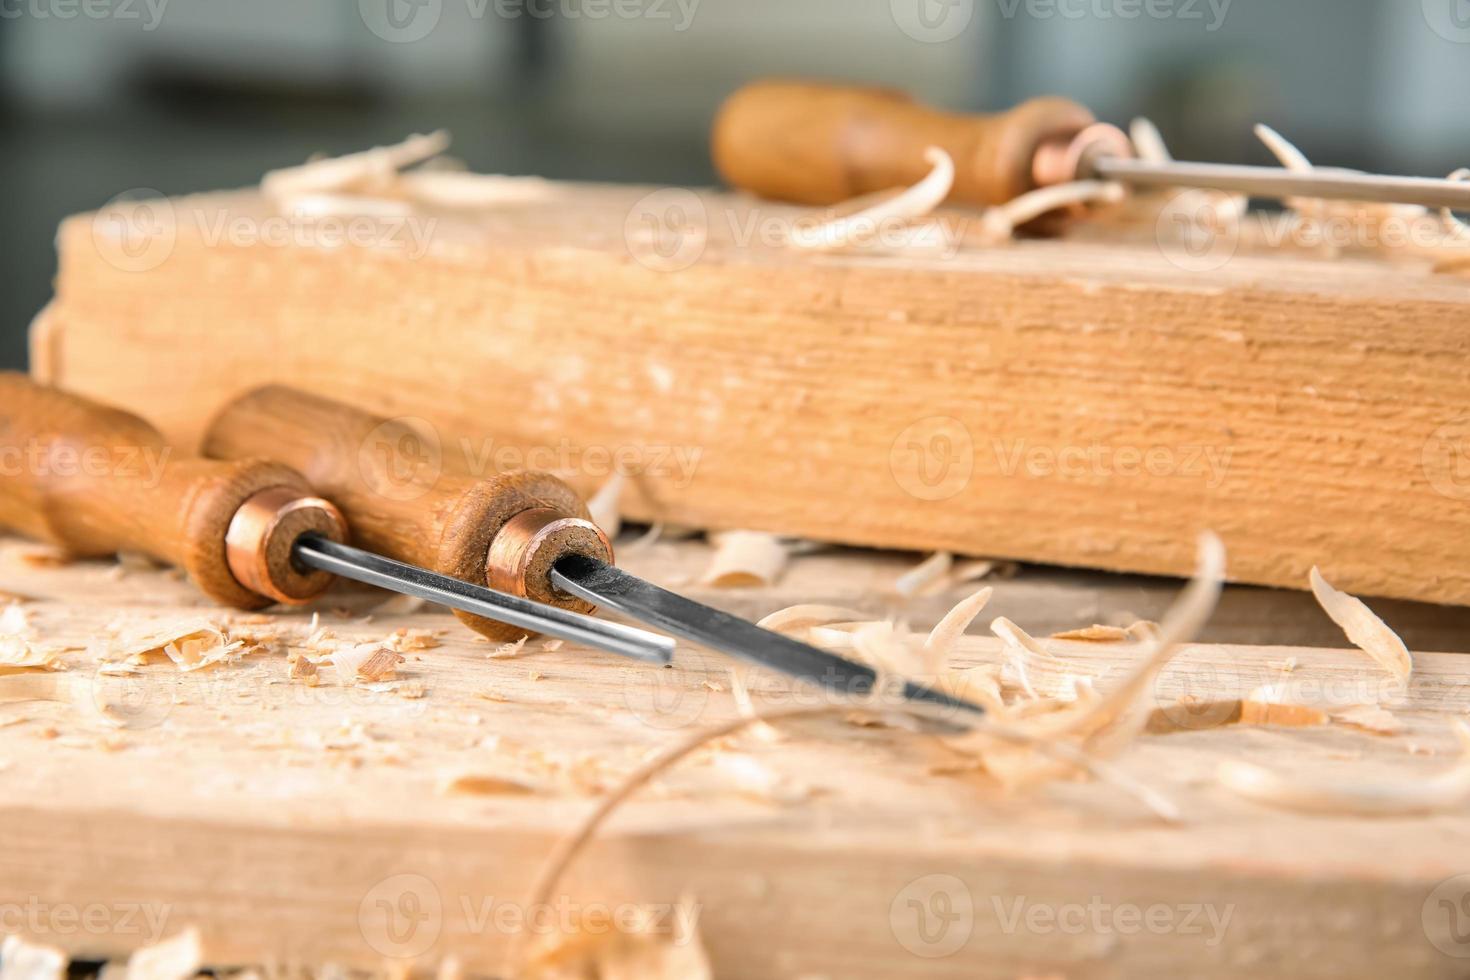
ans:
(288, 822)
(1067, 402)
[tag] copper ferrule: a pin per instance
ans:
(1060, 161)
(524, 550)
(260, 537)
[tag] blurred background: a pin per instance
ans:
(102, 97)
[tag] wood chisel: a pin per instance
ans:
(512, 530)
(820, 144)
(95, 480)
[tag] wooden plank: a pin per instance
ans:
(1079, 403)
(287, 822)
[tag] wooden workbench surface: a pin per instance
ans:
(312, 825)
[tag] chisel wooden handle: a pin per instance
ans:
(407, 499)
(815, 143)
(95, 480)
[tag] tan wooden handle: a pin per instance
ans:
(814, 143)
(95, 480)
(406, 497)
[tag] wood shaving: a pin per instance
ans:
(604, 505)
(745, 559)
(759, 781)
(508, 651)
(795, 619)
(1000, 223)
(370, 172)
(930, 571)
(17, 654)
(368, 661)
(1096, 634)
(483, 784)
(1364, 629)
(1148, 142)
(551, 646)
(1305, 793)
(23, 960)
(939, 644)
(977, 569)
(1369, 718)
(412, 641)
(176, 958)
(450, 189)
(303, 669)
(857, 229)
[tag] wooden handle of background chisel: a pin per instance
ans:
(95, 480)
(815, 143)
(406, 498)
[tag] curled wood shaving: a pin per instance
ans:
(1020, 646)
(1363, 627)
(369, 172)
(368, 661)
(22, 960)
(1148, 142)
(176, 958)
(794, 619)
(1309, 794)
(745, 559)
(17, 654)
(939, 644)
(604, 505)
(915, 202)
(508, 651)
(412, 641)
(452, 189)
(303, 669)
(1000, 223)
(922, 576)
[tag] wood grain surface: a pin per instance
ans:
(1078, 403)
(310, 825)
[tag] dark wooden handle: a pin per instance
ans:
(814, 143)
(95, 480)
(404, 496)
